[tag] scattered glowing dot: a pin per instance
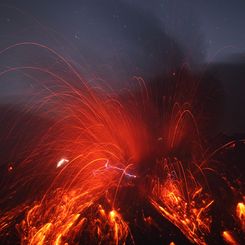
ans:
(10, 168)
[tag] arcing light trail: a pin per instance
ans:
(108, 167)
(112, 143)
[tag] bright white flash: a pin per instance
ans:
(61, 162)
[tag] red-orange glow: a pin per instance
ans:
(228, 238)
(98, 143)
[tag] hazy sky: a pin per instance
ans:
(221, 22)
(223, 25)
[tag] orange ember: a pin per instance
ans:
(240, 212)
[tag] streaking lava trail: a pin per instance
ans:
(111, 163)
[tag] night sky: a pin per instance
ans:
(223, 27)
(116, 40)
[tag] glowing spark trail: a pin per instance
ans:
(229, 238)
(123, 150)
